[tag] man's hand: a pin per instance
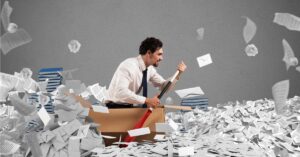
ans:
(152, 102)
(181, 68)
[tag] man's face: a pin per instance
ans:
(156, 57)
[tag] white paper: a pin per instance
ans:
(8, 148)
(298, 68)
(98, 91)
(204, 60)
(173, 124)
(73, 148)
(10, 41)
(287, 20)
(251, 50)
(43, 114)
(139, 132)
(163, 127)
(200, 33)
(108, 137)
(189, 92)
(185, 151)
(5, 14)
(289, 56)
(280, 91)
(249, 30)
(74, 46)
(99, 108)
(159, 137)
(82, 132)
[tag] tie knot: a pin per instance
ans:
(145, 71)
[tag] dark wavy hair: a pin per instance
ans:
(151, 44)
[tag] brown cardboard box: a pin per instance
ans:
(118, 121)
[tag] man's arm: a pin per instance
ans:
(158, 81)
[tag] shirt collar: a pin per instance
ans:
(141, 62)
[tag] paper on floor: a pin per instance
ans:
(43, 114)
(139, 132)
(186, 151)
(280, 92)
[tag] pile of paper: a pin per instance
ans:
(250, 128)
(27, 129)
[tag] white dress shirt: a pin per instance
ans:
(127, 80)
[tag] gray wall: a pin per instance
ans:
(111, 30)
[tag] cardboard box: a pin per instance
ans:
(118, 121)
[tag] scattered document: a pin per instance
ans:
(204, 60)
(249, 30)
(289, 56)
(200, 33)
(280, 92)
(189, 92)
(251, 50)
(99, 108)
(139, 132)
(74, 46)
(43, 114)
(287, 20)
(186, 151)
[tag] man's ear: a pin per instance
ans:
(148, 52)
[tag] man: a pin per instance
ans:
(132, 75)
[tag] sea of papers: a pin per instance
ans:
(248, 128)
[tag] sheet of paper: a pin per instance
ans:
(298, 68)
(249, 30)
(170, 149)
(10, 41)
(82, 132)
(65, 115)
(289, 56)
(67, 74)
(200, 33)
(5, 15)
(204, 60)
(251, 50)
(45, 147)
(99, 92)
(163, 127)
(32, 140)
(159, 137)
(287, 20)
(47, 136)
(189, 92)
(280, 91)
(99, 108)
(73, 147)
(139, 132)
(43, 114)
(74, 46)
(173, 124)
(108, 137)
(185, 151)
(8, 148)
(22, 107)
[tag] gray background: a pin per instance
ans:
(111, 31)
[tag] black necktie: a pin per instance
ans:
(144, 85)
